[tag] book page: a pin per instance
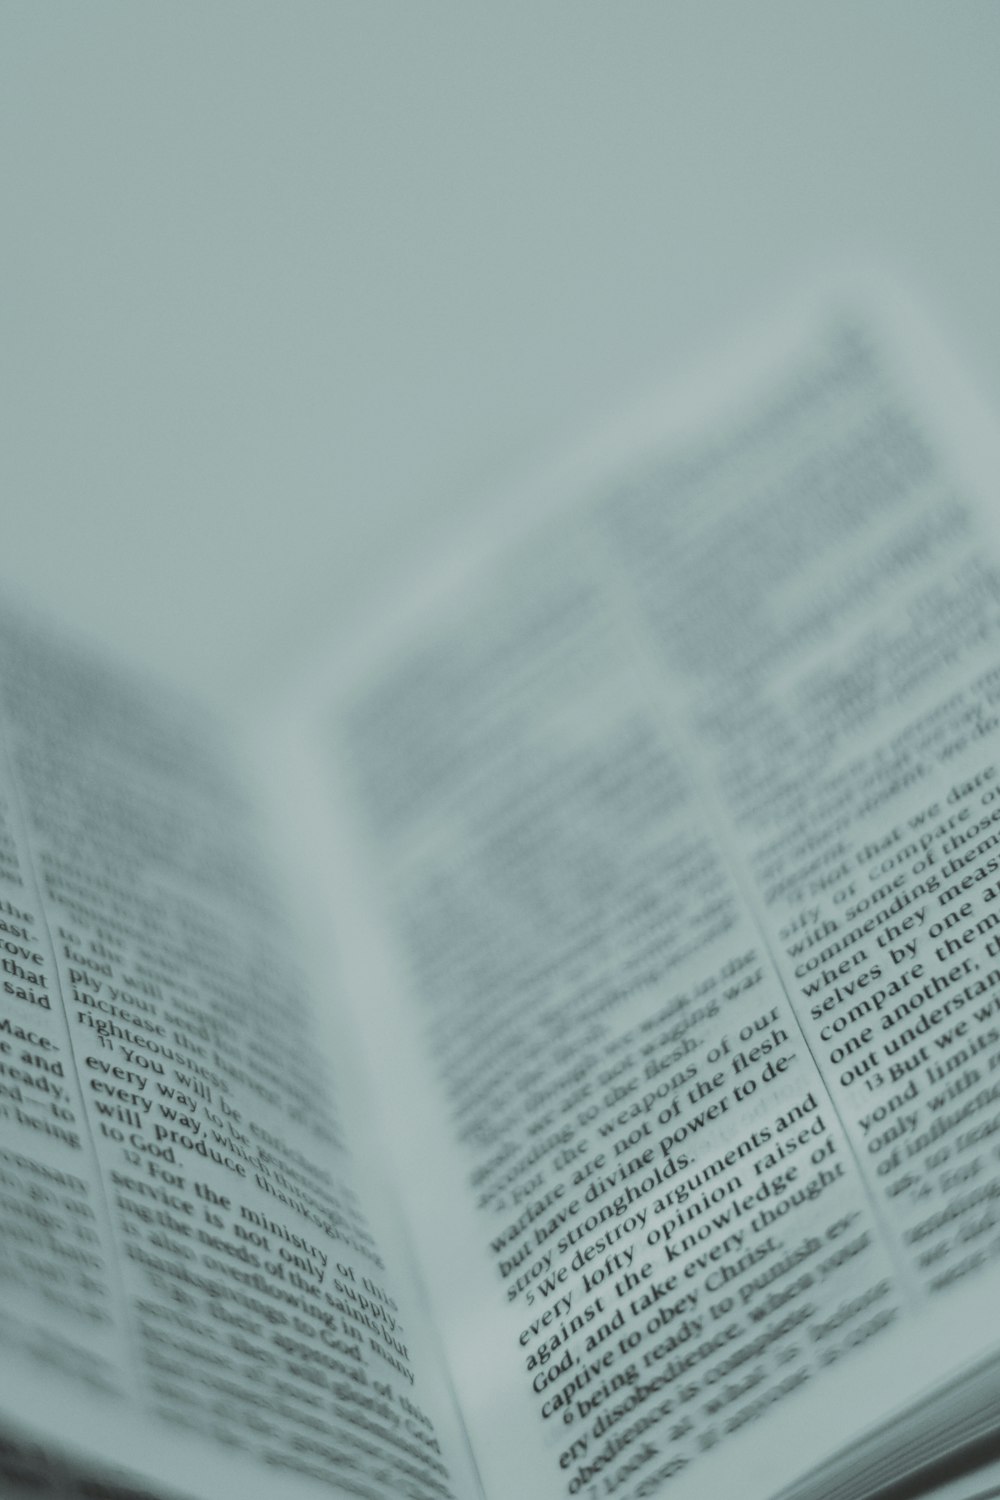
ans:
(683, 819)
(194, 1290)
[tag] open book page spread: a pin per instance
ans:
(190, 1286)
(574, 1068)
(682, 822)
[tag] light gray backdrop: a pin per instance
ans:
(287, 288)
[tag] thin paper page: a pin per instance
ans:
(191, 1289)
(680, 818)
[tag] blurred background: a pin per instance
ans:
(289, 288)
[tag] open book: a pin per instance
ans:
(559, 1055)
